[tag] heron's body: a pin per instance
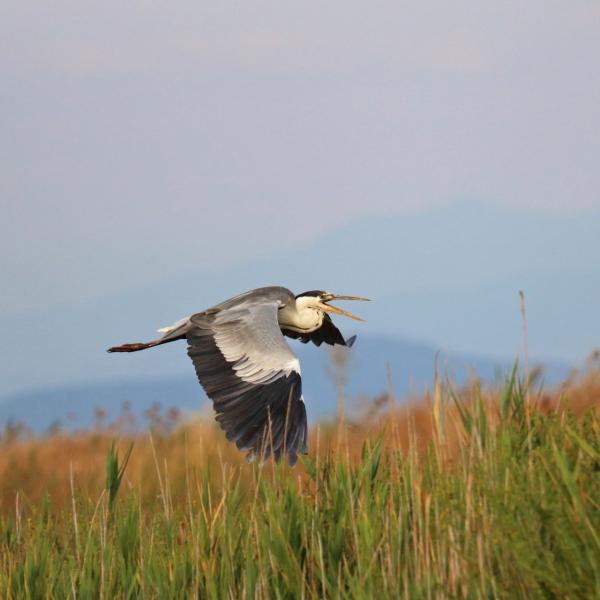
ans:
(246, 367)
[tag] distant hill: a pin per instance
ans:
(411, 366)
(449, 277)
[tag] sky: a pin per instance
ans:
(144, 139)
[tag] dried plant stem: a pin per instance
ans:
(526, 358)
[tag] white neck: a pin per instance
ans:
(303, 316)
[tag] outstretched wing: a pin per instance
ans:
(253, 378)
(327, 333)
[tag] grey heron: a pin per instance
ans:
(248, 370)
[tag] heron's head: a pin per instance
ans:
(319, 300)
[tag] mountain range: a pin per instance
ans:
(441, 280)
(369, 369)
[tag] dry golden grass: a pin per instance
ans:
(52, 464)
(479, 493)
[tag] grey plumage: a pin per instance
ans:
(250, 373)
(248, 370)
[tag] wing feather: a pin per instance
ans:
(253, 378)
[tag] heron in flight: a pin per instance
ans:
(248, 370)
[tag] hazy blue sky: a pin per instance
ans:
(139, 138)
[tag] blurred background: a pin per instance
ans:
(156, 159)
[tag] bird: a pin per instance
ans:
(248, 370)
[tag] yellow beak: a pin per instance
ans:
(338, 311)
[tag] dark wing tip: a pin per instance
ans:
(350, 341)
(286, 436)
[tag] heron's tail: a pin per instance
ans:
(135, 347)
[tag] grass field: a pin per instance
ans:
(475, 494)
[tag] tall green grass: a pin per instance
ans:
(509, 511)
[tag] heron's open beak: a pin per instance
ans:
(338, 311)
